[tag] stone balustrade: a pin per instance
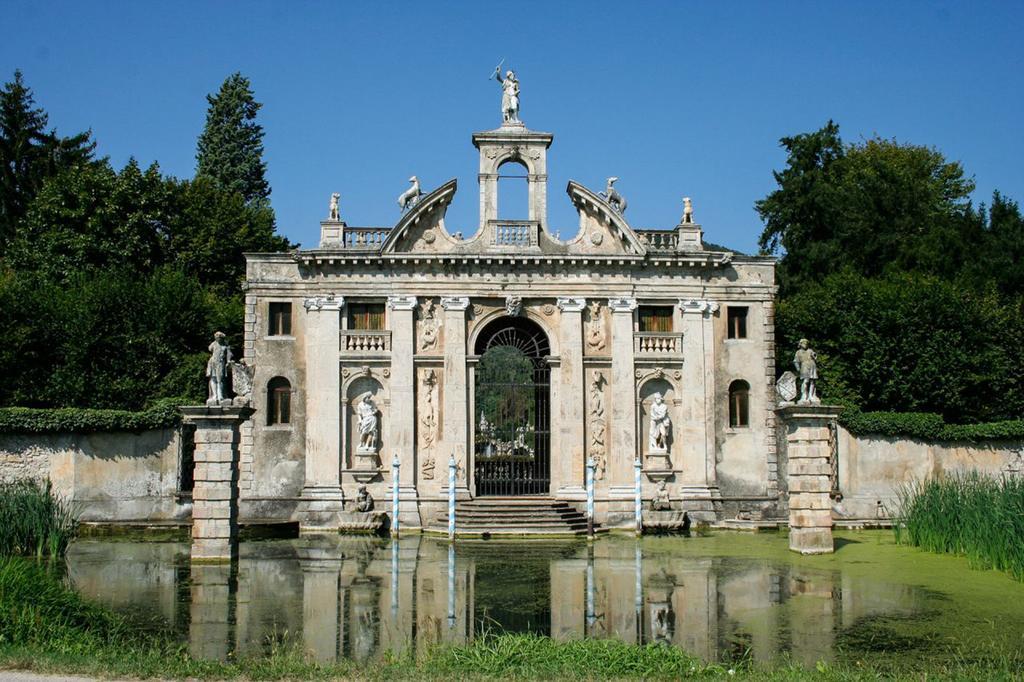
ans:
(362, 341)
(661, 240)
(514, 233)
(370, 238)
(657, 343)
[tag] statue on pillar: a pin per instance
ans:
(661, 425)
(366, 411)
(217, 369)
(509, 96)
(806, 362)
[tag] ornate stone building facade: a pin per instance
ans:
(518, 354)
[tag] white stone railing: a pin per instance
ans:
(360, 341)
(515, 234)
(657, 343)
(660, 240)
(364, 237)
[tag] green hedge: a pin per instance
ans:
(160, 415)
(926, 426)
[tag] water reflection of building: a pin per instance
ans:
(356, 598)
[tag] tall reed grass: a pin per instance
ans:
(977, 516)
(34, 520)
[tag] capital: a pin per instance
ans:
(569, 304)
(327, 302)
(622, 304)
(702, 306)
(401, 302)
(458, 303)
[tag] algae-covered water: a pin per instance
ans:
(723, 597)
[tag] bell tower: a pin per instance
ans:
(513, 142)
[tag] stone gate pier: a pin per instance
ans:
(809, 454)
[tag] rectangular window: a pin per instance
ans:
(280, 319)
(737, 317)
(366, 316)
(655, 318)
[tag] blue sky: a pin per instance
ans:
(673, 98)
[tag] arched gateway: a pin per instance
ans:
(512, 435)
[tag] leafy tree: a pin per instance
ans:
(211, 229)
(504, 394)
(92, 217)
(29, 153)
(910, 342)
(878, 206)
(230, 149)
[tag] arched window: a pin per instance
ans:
(279, 401)
(513, 192)
(739, 403)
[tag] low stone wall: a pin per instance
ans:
(116, 476)
(872, 468)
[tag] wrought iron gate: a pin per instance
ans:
(512, 410)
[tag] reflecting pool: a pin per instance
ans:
(721, 597)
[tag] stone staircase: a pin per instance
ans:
(509, 516)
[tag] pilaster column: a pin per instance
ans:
(402, 415)
(699, 475)
(623, 403)
(455, 407)
(570, 465)
(323, 409)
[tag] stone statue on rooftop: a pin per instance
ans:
(806, 362)
(334, 212)
(687, 211)
(217, 369)
(661, 425)
(411, 196)
(612, 196)
(509, 96)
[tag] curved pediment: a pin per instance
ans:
(603, 230)
(422, 228)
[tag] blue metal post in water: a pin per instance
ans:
(638, 497)
(638, 567)
(591, 617)
(590, 496)
(395, 465)
(451, 585)
(451, 497)
(394, 577)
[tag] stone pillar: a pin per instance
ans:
(402, 413)
(808, 454)
(623, 400)
(323, 412)
(697, 432)
(572, 442)
(455, 407)
(215, 495)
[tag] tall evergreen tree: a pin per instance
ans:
(29, 153)
(230, 149)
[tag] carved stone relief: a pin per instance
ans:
(595, 328)
(429, 326)
(597, 449)
(428, 423)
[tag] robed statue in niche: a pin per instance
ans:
(366, 411)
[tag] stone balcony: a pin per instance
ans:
(360, 341)
(657, 343)
(335, 234)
